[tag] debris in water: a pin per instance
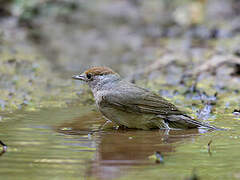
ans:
(236, 111)
(4, 148)
(194, 176)
(66, 129)
(159, 157)
(209, 147)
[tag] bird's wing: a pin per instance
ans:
(139, 100)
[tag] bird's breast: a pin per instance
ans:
(130, 120)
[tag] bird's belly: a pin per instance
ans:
(130, 120)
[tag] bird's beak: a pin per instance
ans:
(79, 77)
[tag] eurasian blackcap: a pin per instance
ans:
(131, 106)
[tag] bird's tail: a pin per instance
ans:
(186, 122)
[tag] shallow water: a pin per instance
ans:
(66, 144)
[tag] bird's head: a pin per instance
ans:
(96, 77)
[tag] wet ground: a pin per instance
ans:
(65, 143)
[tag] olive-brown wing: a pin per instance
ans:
(141, 101)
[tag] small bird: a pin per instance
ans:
(131, 106)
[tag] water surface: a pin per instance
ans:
(67, 144)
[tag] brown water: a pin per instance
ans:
(66, 144)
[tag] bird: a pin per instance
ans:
(134, 107)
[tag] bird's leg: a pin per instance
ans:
(106, 122)
(166, 132)
(165, 124)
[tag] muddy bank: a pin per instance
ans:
(44, 43)
(27, 80)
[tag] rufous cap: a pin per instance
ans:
(99, 71)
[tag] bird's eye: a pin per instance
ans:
(89, 76)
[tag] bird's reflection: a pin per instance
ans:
(119, 150)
